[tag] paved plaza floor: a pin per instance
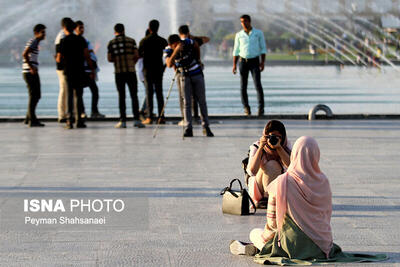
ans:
(171, 187)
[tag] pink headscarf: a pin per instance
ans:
(304, 193)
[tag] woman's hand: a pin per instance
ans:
(267, 235)
(255, 160)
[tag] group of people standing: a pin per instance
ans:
(77, 68)
(180, 52)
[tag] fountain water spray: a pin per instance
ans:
(372, 37)
(35, 14)
(294, 25)
(331, 38)
(337, 26)
(173, 16)
(308, 39)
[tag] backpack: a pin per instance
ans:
(186, 61)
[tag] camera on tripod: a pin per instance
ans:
(273, 139)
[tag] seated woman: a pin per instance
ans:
(268, 158)
(298, 229)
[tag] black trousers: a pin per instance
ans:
(153, 83)
(33, 85)
(195, 106)
(122, 79)
(253, 66)
(75, 86)
(91, 83)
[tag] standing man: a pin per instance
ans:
(80, 30)
(248, 49)
(185, 56)
(62, 105)
(200, 40)
(30, 72)
(151, 50)
(73, 52)
(122, 51)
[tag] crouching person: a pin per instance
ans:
(268, 158)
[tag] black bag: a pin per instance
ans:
(236, 202)
(245, 162)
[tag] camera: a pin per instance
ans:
(187, 59)
(273, 139)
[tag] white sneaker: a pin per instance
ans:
(181, 123)
(121, 124)
(241, 248)
(237, 248)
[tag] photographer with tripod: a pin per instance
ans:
(183, 53)
(268, 158)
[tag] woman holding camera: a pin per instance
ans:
(268, 158)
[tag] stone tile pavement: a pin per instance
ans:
(171, 190)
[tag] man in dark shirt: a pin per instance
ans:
(73, 51)
(62, 105)
(200, 40)
(151, 50)
(122, 51)
(184, 54)
(91, 83)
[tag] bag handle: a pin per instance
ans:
(254, 205)
(229, 188)
(240, 183)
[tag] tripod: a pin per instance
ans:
(165, 104)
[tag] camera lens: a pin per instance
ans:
(273, 140)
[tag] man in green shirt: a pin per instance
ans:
(248, 49)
